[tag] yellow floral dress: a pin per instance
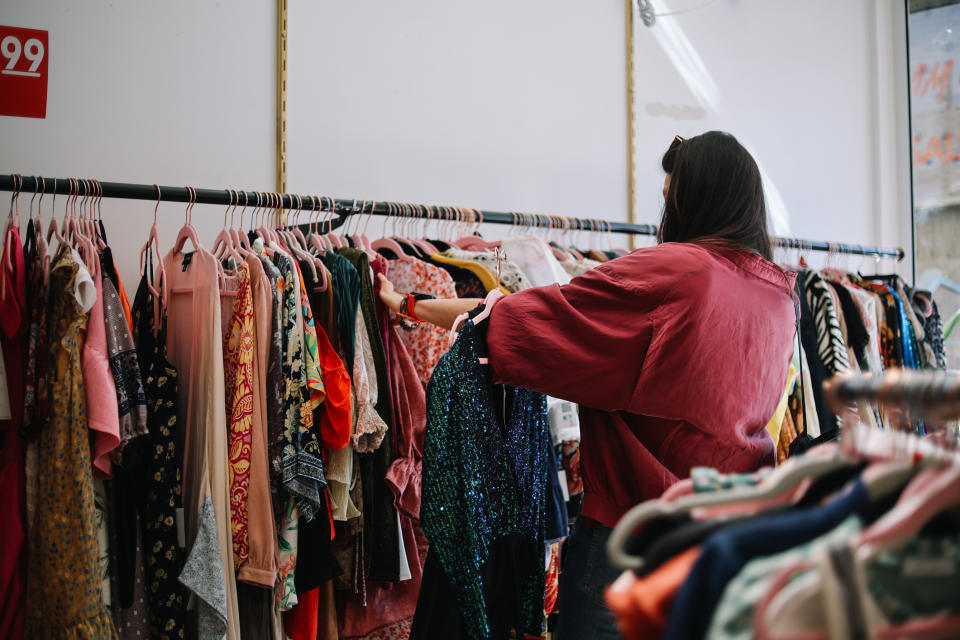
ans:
(64, 594)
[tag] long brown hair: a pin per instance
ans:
(715, 194)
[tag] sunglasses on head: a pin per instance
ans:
(676, 143)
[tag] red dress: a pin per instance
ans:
(13, 322)
(677, 355)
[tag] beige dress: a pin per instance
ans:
(195, 348)
(261, 565)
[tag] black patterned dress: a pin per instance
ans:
(161, 480)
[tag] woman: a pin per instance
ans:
(677, 354)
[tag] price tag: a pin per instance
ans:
(23, 72)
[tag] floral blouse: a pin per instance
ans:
(426, 342)
(315, 385)
(302, 467)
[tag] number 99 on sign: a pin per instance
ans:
(12, 49)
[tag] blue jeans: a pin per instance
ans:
(586, 574)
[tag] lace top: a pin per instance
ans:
(511, 276)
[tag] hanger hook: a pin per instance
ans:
(227, 210)
(36, 188)
(43, 192)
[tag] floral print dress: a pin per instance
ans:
(162, 554)
(426, 342)
(239, 343)
(64, 594)
(302, 466)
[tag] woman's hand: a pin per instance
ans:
(389, 294)
(439, 312)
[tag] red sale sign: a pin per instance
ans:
(23, 72)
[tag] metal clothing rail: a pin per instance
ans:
(899, 387)
(345, 208)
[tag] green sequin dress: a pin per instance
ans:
(484, 481)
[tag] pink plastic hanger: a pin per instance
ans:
(43, 251)
(270, 217)
(68, 210)
(13, 219)
(327, 223)
(315, 239)
(317, 262)
(361, 239)
(294, 245)
(283, 224)
(188, 231)
(938, 489)
(422, 241)
(290, 224)
(259, 214)
(223, 245)
(239, 238)
(54, 228)
(350, 238)
(337, 241)
(97, 219)
(253, 218)
(90, 226)
(474, 242)
(297, 233)
(407, 224)
(390, 244)
(81, 242)
(488, 302)
(153, 242)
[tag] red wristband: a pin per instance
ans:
(411, 307)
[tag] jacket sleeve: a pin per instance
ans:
(585, 341)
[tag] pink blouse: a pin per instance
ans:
(103, 416)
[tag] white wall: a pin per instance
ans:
(175, 93)
(809, 87)
(500, 105)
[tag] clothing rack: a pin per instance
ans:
(931, 390)
(345, 208)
